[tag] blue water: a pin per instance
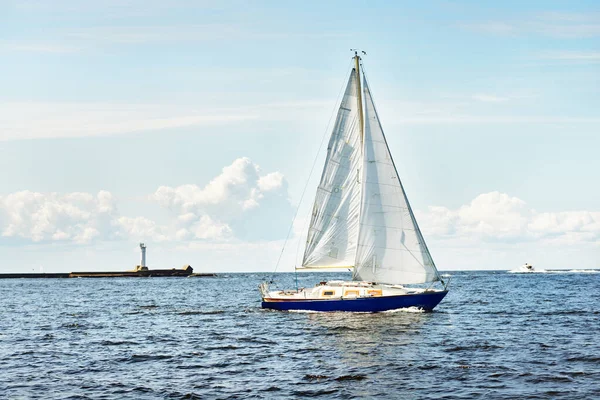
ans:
(496, 335)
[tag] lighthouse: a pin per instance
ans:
(143, 248)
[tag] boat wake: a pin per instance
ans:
(397, 310)
(572, 271)
(305, 311)
(406, 310)
(522, 271)
(557, 271)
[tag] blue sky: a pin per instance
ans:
(490, 111)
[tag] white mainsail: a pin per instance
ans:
(391, 248)
(361, 216)
(333, 230)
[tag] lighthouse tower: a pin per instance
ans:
(143, 263)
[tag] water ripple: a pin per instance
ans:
(496, 336)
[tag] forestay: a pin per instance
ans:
(333, 230)
(391, 248)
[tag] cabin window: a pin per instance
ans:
(351, 293)
(328, 293)
(376, 292)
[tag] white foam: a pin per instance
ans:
(406, 309)
(557, 271)
(520, 271)
(305, 311)
(573, 271)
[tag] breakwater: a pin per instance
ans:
(139, 272)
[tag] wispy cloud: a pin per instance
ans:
(32, 120)
(157, 34)
(102, 36)
(479, 109)
(494, 27)
(489, 98)
(38, 47)
(493, 119)
(49, 120)
(189, 33)
(551, 24)
(577, 56)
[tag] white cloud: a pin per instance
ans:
(552, 24)
(495, 28)
(49, 120)
(496, 216)
(462, 111)
(200, 214)
(573, 56)
(159, 34)
(31, 120)
(489, 98)
(38, 47)
(463, 119)
(76, 217)
(238, 188)
(100, 37)
(272, 181)
(189, 33)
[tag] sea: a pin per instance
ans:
(497, 335)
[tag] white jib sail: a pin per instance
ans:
(333, 231)
(391, 248)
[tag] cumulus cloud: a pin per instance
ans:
(238, 203)
(220, 211)
(77, 217)
(497, 216)
(238, 188)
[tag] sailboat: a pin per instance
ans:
(362, 221)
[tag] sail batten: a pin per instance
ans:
(390, 246)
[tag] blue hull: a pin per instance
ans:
(425, 301)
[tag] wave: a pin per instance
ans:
(145, 357)
(351, 378)
(200, 312)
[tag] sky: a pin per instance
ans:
(193, 126)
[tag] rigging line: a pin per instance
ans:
(437, 273)
(310, 173)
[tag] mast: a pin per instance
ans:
(359, 96)
(361, 121)
(333, 231)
